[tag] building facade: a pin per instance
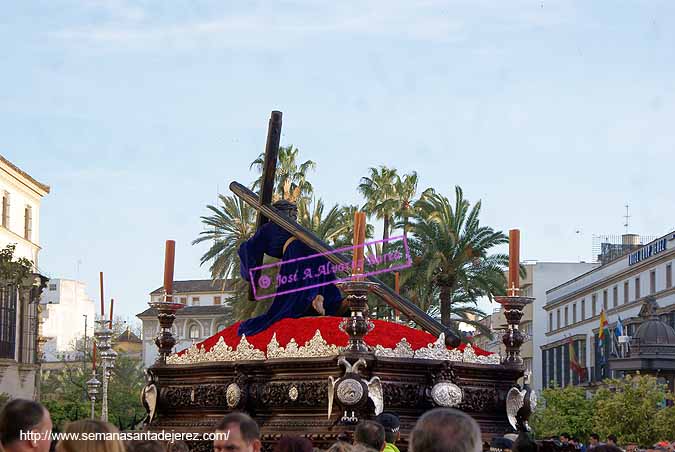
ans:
(207, 310)
(571, 352)
(66, 310)
(20, 226)
(540, 276)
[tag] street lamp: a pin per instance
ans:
(92, 389)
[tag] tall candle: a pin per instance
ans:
(93, 356)
(514, 260)
(355, 253)
(112, 302)
(169, 258)
(101, 287)
(397, 288)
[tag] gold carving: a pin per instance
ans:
(313, 348)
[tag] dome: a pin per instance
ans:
(654, 331)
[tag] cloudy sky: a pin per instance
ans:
(554, 114)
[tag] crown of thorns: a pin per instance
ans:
(284, 205)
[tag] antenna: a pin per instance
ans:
(627, 217)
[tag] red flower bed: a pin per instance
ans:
(386, 334)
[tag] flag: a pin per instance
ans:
(618, 329)
(574, 362)
(604, 325)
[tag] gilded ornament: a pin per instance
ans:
(349, 391)
(233, 395)
(446, 394)
(293, 393)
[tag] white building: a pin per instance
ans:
(572, 310)
(540, 276)
(66, 308)
(20, 225)
(207, 311)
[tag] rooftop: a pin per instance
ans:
(218, 309)
(42, 186)
(198, 285)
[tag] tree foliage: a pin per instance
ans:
(632, 408)
(563, 410)
(14, 271)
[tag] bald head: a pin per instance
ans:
(445, 430)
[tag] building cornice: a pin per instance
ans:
(619, 309)
(607, 282)
(21, 238)
(23, 177)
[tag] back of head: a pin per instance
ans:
(293, 444)
(524, 443)
(145, 446)
(19, 415)
(391, 424)
(606, 448)
(247, 426)
(371, 434)
(340, 446)
(445, 430)
(93, 436)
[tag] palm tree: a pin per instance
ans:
(379, 189)
(328, 228)
(290, 179)
(451, 254)
(405, 189)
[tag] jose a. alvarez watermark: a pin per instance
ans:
(307, 272)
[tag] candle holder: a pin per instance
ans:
(513, 305)
(92, 389)
(358, 325)
(103, 336)
(166, 314)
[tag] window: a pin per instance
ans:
(5, 210)
(574, 313)
(652, 281)
(567, 317)
(615, 296)
(544, 367)
(550, 321)
(637, 288)
(8, 298)
(625, 292)
(604, 300)
(183, 300)
(594, 302)
(52, 287)
(557, 314)
(194, 332)
(28, 223)
(669, 276)
(583, 309)
(195, 301)
(216, 300)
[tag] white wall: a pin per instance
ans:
(65, 302)
(547, 275)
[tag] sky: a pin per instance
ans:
(554, 114)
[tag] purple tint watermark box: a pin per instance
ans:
(307, 272)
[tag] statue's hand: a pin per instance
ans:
(317, 304)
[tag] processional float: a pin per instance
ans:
(319, 376)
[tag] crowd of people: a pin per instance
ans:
(438, 430)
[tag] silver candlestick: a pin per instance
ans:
(103, 343)
(92, 389)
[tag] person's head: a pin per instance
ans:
(574, 441)
(564, 437)
(606, 448)
(293, 444)
(525, 443)
(595, 439)
(287, 209)
(98, 433)
(500, 444)
(371, 434)
(177, 446)
(392, 426)
(237, 432)
(21, 415)
(340, 446)
(611, 440)
(445, 430)
(631, 447)
(145, 446)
